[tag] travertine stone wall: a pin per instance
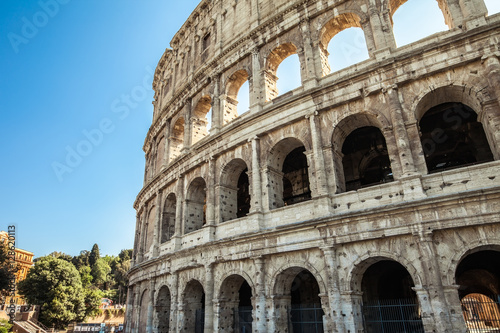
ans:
(191, 253)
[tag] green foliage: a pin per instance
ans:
(92, 301)
(100, 272)
(81, 260)
(55, 284)
(85, 276)
(61, 255)
(94, 255)
(5, 326)
(125, 255)
(6, 270)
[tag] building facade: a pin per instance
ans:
(365, 200)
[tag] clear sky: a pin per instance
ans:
(71, 164)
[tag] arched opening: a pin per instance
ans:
(200, 121)
(389, 302)
(493, 6)
(478, 277)
(235, 305)
(237, 90)
(168, 218)
(163, 310)
(234, 191)
(365, 159)
(160, 153)
(288, 174)
(194, 308)
(452, 137)
(195, 206)
(408, 18)
(342, 43)
(177, 139)
(150, 229)
(143, 311)
(297, 299)
(289, 72)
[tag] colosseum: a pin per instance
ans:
(365, 200)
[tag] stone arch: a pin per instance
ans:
(162, 309)
(168, 217)
(143, 311)
(361, 156)
(295, 289)
(393, 5)
(195, 215)
(234, 190)
(233, 85)
(235, 304)
(331, 28)
(288, 173)
(176, 139)
(200, 123)
(365, 261)
(193, 300)
(466, 249)
(452, 134)
(272, 62)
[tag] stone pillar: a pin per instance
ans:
(369, 37)
(417, 150)
(381, 28)
(216, 106)
(351, 302)
(209, 299)
(188, 126)
(432, 284)
(174, 305)
(490, 115)
(279, 318)
(256, 83)
(259, 312)
(393, 152)
(309, 75)
(179, 222)
(402, 141)
(166, 151)
(474, 13)
(210, 199)
(137, 241)
(335, 316)
(256, 195)
(129, 310)
(453, 13)
(157, 230)
(137, 311)
(319, 161)
(254, 9)
(149, 325)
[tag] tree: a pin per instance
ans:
(5, 326)
(94, 255)
(61, 255)
(100, 272)
(55, 285)
(82, 259)
(6, 270)
(125, 255)
(121, 279)
(85, 276)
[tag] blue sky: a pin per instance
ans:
(75, 103)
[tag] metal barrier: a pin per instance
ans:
(199, 321)
(395, 315)
(243, 319)
(306, 318)
(481, 313)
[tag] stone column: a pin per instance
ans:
(216, 106)
(393, 152)
(210, 213)
(369, 37)
(279, 319)
(149, 325)
(128, 311)
(174, 305)
(137, 241)
(402, 142)
(474, 13)
(382, 31)
(259, 312)
(188, 126)
(137, 311)
(490, 115)
(309, 75)
(256, 195)
(179, 222)
(335, 316)
(157, 230)
(209, 299)
(432, 284)
(254, 9)
(166, 151)
(319, 161)
(351, 302)
(256, 83)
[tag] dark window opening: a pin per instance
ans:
(243, 198)
(206, 41)
(168, 218)
(243, 315)
(295, 177)
(163, 310)
(366, 161)
(452, 138)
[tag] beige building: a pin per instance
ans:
(365, 200)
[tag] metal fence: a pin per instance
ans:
(306, 318)
(243, 319)
(199, 321)
(481, 313)
(392, 316)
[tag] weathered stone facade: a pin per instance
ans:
(375, 183)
